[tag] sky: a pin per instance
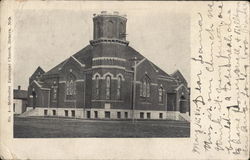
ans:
(46, 37)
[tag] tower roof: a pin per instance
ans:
(115, 14)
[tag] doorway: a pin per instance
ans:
(88, 114)
(182, 104)
(34, 99)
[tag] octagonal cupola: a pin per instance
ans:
(109, 28)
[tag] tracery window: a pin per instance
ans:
(71, 85)
(145, 87)
(108, 87)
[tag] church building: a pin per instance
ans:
(108, 79)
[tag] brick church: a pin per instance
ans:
(108, 79)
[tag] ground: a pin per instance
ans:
(40, 127)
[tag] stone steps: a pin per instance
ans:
(184, 117)
(31, 112)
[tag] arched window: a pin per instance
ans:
(108, 87)
(110, 29)
(54, 92)
(141, 94)
(145, 87)
(122, 31)
(71, 85)
(97, 86)
(148, 89)
(119, 87)
(161, 95)
(99, 29)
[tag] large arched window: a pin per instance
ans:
(110, 29)
(54, 92)
(141, 94)
(145, 87)
(119, 87)
(148, 89)
(108, 87)
(97, 86)
(122, 31)
(71, 85)
(99, 29)
(160, 94)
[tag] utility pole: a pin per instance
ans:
(134, 88)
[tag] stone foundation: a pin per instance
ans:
(101, 113)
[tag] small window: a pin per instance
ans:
(45, 112)
(73, 113)
(126, 115)
(141, 115)
(160, 115)
(66, 113)
(107, 114)
(118, 114)
(96, 114)
(54, 112)
(148, 115)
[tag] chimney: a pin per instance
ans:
(19, 87)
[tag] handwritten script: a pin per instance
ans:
(220, 76)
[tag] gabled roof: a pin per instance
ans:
(56, 69)
(160, 71)
(78, 57)
(177, 73)
(157, 69)
(39, 69)
(84, 56)
(20, 94)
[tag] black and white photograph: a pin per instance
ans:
(122, 80)
(106, 73)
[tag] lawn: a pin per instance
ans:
(39, 127)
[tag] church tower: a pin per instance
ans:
(109, 27)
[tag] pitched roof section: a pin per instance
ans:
(85, 55)
(79, 57)
(177, 74)
(56, 69)
(38, 70)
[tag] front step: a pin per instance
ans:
(184, 117)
